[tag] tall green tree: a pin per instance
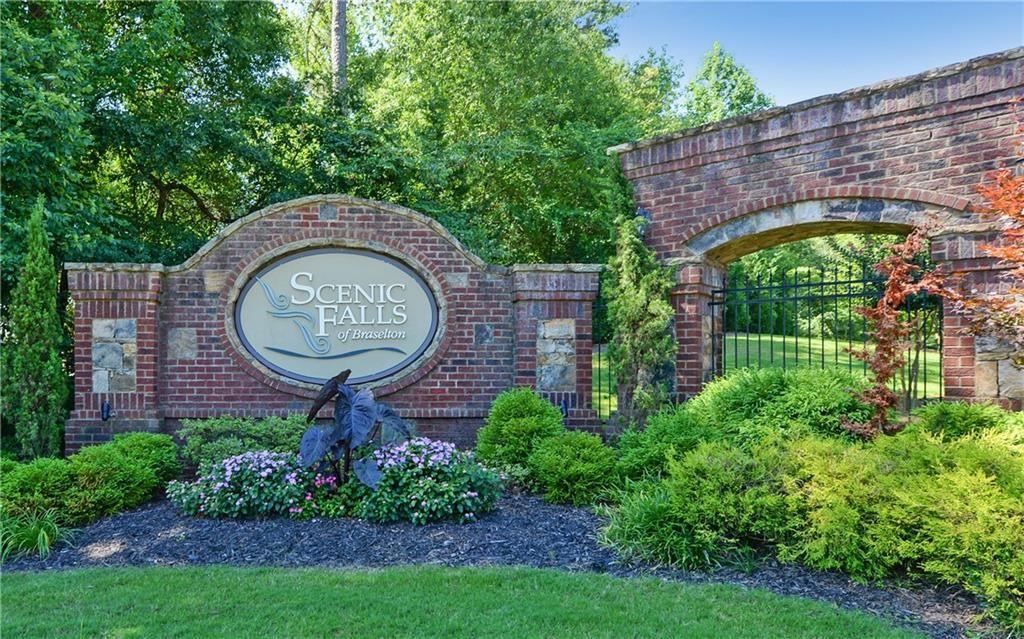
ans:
(509, 107)
(35, 386)
(147, 125)
(642, 350)
(721, 89)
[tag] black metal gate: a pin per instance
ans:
(809, 319)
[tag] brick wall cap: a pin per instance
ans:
(332, 198)
(115, 267)
(850, 94)
(557, 268)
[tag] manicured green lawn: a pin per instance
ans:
(403, 602)
(741, 351)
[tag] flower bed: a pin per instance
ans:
(422, 480)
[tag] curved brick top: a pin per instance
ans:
(977, 76)
(927, 139)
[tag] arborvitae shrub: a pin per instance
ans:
(573, 467)
(35, 387)
(519, 418)
(955, 419)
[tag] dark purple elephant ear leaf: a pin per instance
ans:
(393, 429)
(368, 472)
(362, 417)
(314, 445)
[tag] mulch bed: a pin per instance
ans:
(521, 531)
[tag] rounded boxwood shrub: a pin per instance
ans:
(519, 418)
(39, 485)
(107, 481)
(158, 452)
(956, 419)
(212, 440)
(425, 480)
(573, 467)
(252, 484)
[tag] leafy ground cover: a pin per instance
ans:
(404, 602)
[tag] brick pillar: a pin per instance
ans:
(975, 368)
(116, 350)
(696, 321)
(552, 305)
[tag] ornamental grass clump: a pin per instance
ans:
(423, 480)
(248, 485)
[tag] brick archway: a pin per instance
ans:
(875, 159)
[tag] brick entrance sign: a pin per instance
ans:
(882, 158)
(435, 330)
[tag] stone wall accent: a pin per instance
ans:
(874, 159)
(189, 363)
(556, 355)
(114, 354)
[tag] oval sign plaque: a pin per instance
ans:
(317, 312)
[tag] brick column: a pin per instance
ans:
(116, 350)
(552, 306)
(696, 321)
(975, 368)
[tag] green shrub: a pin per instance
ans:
(645, 452)
(39, 485)
(817, 401)
(956, 419)
(912, 503)
(34, 532)
(739, 396)
(718, 502)
(751, 405)
(425, 480)
(573, 467)
(106, 481)
(7, 465)
(158, 452)
(948, 511)
(213, 440)
(519, 418)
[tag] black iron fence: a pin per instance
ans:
(809, 318)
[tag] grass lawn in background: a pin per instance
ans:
(776, 351)
(741, 351)
(404, 602)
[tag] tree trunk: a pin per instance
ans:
(339, 47)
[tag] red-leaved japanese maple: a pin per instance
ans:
(890, 331)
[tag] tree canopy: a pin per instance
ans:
(147, 126)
